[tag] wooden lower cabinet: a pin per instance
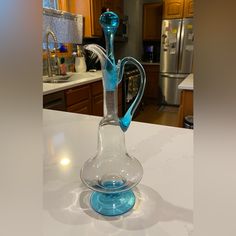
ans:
(97, 98)
(77, 94)
(54, 101)
(83, 99)
(152, 92)
(83, 107)
(186, 106)
(88, 99)
(97, 105)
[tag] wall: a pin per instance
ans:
(134, 9)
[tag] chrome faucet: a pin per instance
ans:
(56, 59)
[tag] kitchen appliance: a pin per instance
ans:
(176, 57)
(130, 86)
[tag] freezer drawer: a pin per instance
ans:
(169, 88)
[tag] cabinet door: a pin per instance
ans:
(173, 9)
(152, 89)
(91, 11)
(118, 7)
(188, 8)
(107, 4)
(186, 106)
(97, 98)
(152, 17)
(54, 101)
(63, 5)
(77, 94)
(97, 105)
(96, 10)
(83, 107)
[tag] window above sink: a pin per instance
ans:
(50, 4)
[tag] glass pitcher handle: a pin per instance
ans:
(126, 119)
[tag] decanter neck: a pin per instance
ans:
(111, 138)
(110, 104)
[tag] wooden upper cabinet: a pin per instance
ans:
(107, 4)
(91, 11)
(116, 6)
(173, 9)
(152, 18)
(63, 5)
(188, 8)
(96, 10)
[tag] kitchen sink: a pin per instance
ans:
(57, 79)
(71, 76)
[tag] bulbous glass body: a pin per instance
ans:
(112, 170)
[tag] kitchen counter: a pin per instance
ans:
(76, 80)
(164, 204)
(150, 63)
(187, 83)
(186, 99)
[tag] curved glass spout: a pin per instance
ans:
(108, 66)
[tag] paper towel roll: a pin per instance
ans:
(80, 64)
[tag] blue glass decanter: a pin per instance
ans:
(112, 173)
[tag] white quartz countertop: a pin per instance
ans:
(75, 80)
(164, 197)
(187, 83)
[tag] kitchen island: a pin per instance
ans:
(186, 99)
(164, 204)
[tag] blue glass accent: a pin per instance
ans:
(112, 204)
(125, 121)
(110, 22)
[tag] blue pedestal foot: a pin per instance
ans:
(112, 204)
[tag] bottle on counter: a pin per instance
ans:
(62, 66)
(80, 64)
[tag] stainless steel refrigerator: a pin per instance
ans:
(176, 57)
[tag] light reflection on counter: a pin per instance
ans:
(65, 161)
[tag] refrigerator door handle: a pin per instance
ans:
(181, 46)
(180, 76)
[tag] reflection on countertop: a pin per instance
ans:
(164, 203)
